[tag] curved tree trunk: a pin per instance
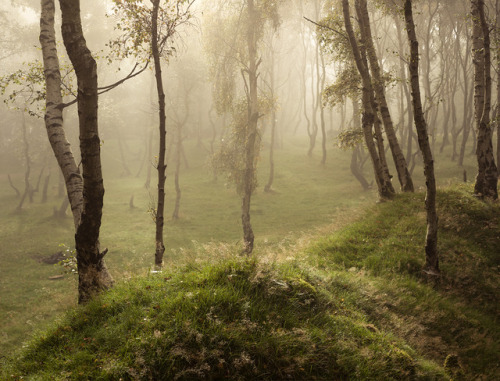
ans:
(54, 113)
(431, 253)
(93, 275)
(161, 166)
(378, 85)
(385, 189)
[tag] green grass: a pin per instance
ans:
(307, 196)
(232, 320)
(353, 304)
(455, 314)
(368, 313)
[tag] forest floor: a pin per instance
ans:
(331, 282)
(351, 303)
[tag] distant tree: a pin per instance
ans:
(431, 252)
(179, 101)
(238, 155)
(487, 176)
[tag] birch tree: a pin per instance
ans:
(431, 253)
(487, 176)
(378, 85)
(385, 189)
(93, 276)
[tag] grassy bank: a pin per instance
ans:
(352, 304)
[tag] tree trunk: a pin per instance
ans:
(431, 253)
(487, 176)
(93, 276)
(385, 189)
(161, 166)
(54, 113)
(267, 187)
(175, 214)
(126, 169)
(497, 46)
(378, 85)
(13, 186)
(27, 170)
(356, 168)
(322, 110)
(45, 188)
(251, 130)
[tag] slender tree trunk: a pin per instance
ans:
(431, 253)
(378, 85)
(465, 122)
(175, 214)
(126, 169)
(36, 188)
(464, 63)
(212, 142)
(251, 130)
(27, 170)
(267, 187)
(385, 189)
(356, 166)
(13, 186)
(93, 275)
(45, 188)
(487, 176)
(161, 166)
(322, 110)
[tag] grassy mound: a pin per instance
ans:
(236, 320)
(354, 305)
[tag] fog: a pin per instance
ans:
(291, 73)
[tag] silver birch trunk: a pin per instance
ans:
(54, 113)
(431, 254)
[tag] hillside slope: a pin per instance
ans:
(353, 305)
